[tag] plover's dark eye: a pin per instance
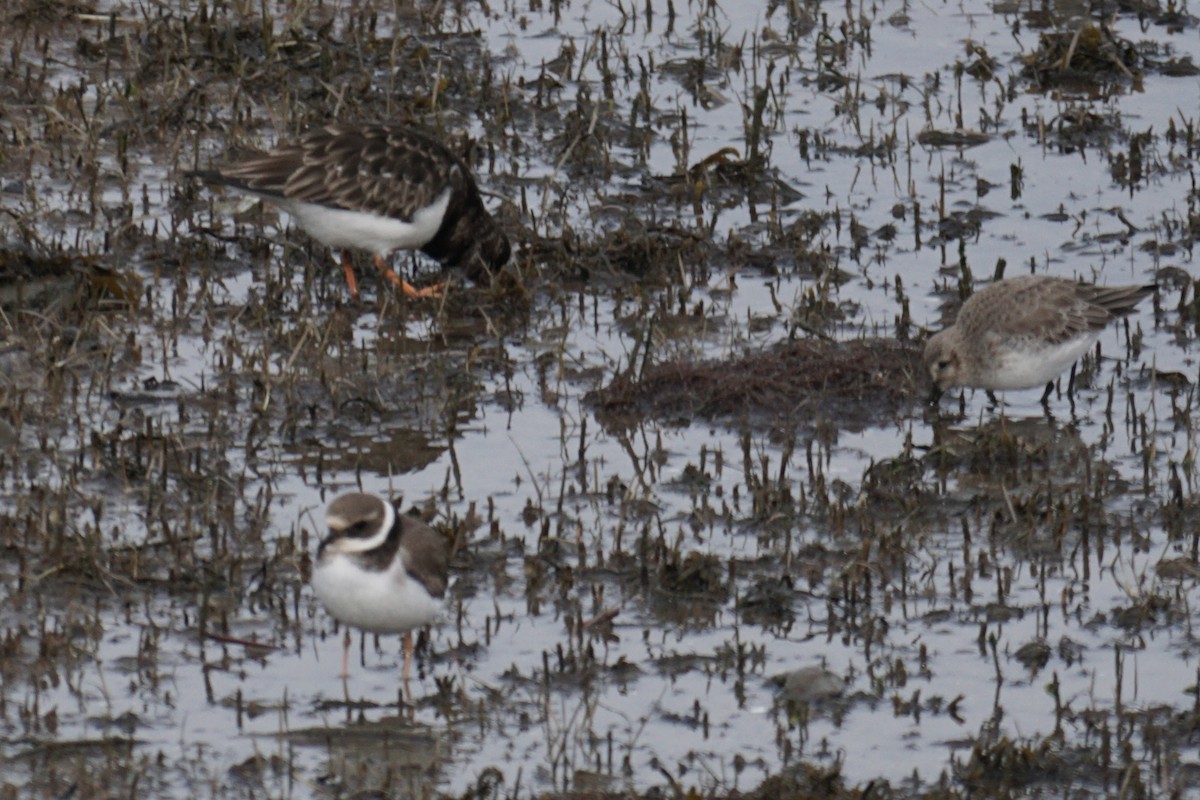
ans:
(943, 364)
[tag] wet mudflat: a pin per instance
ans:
(709, 539)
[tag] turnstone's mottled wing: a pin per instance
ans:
(386, 170)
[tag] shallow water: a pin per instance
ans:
(1065, 533)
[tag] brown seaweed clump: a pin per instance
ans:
(33, 279)
(850, 384)
(1090, 57)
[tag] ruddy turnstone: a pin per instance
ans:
(1022, 332)
(379, 188)
(379, 571)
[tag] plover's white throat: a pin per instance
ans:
(1023, 332)
(378, 188)
(379, 571)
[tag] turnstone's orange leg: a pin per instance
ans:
(351, 281)
(435, 291)
(346, 654)
(408, 654)
(409, 290)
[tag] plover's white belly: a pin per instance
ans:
(381, 602)
(338, 227)
(1033, 363)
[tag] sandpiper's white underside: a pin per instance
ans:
(338, 227)
(381, 602)
(1028, 367)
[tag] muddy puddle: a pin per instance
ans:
(709, 538)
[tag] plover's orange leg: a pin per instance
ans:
(434, 291)
(408, 655)
(409, 290)
(351, 281)
(346, 655)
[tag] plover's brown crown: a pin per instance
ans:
(392, 171)
(1014, 326)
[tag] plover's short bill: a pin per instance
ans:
(378, 188)
(1023, 332)
(379, 571)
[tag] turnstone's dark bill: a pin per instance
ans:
(1023, 332)
(380, 571)
(379, 188)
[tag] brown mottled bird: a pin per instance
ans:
(379, 188)
(1022, 332)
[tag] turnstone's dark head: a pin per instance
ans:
(471, 241)
(469, 237)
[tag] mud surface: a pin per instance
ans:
(709, 538)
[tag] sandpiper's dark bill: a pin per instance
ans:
(379, 188)
(380, 571)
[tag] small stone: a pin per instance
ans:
(810, 685)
